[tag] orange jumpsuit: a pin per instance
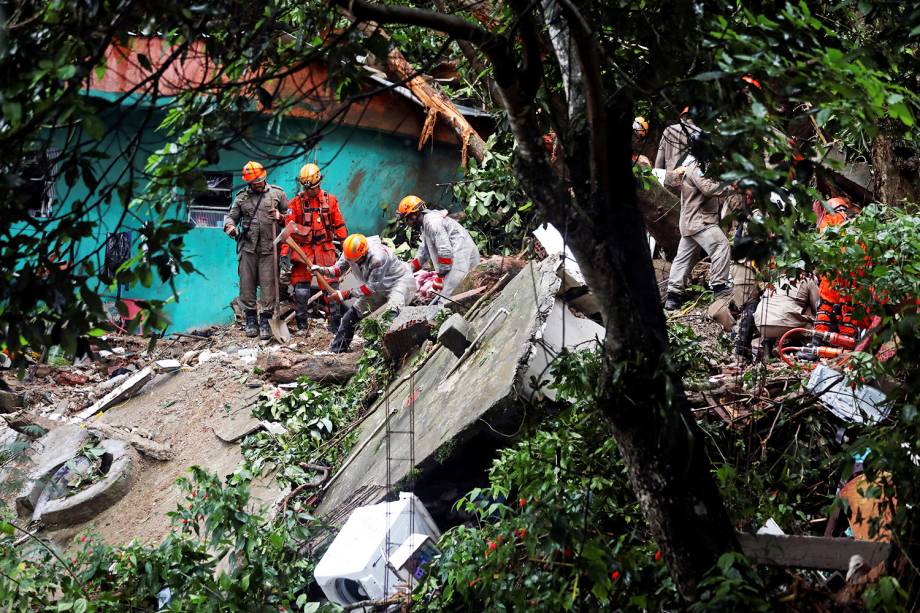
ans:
(835, 311)
(322, 215)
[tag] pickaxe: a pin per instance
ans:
(285, 237)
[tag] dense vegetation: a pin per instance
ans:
(557, 525)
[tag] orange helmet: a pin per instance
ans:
(253, 171)
(410, 204)
(355, 247)
(640, 126)
(838, 205)
(310, 175)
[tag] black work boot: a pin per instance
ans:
(265, 330)
(673, 301)
(720, 289)
(346, 331)
(303, 325)
(335, 316)
(252, 324)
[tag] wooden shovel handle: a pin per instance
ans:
(319, 278)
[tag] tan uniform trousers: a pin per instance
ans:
(711, 240)
(257, 271)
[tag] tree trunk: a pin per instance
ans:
(662, 445)
(897, 167)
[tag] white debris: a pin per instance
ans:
(248, 355)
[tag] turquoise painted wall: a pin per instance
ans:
(363, 168)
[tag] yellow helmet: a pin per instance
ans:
(410, 204)
(310, 175)
(640, 126)
(354, 247)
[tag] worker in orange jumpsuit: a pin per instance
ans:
(318, 210)
(836, 312)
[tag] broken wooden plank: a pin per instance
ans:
(812, 552)
(124, 391)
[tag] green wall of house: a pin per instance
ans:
(363, 168)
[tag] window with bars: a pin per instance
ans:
(208, 207)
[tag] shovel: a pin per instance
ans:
(278, 327)
(285, 236)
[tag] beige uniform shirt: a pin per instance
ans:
(254, 209)
(675, 145)
(700, 201)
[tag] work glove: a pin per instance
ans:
(231, 231)
(285, 277)
(322, 270)
(438, 283)
(286, 263)
(415, 264)
(339, 296)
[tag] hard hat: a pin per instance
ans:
(253, 171)
(310, 176)
(640, 126)
(410, 204)
(355, 247)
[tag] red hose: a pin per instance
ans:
(782, 339)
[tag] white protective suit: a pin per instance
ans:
(384, 277)
(449, 247)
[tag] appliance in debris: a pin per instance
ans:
(362, 563)
(856, 404)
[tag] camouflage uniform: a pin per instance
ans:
(251, 214)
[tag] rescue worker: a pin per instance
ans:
(444, 242)
(835, 312)
(674, 146)
(253, 221)
(319, 211)
(700, 203)
(384, 279)
(786, 305)
(640, 132)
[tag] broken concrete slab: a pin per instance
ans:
(130, 387)
(449, 409)
(814, 552)
(238, 421)
(455, 334)
(148, 447)
(284, 366)
(562, 330)
(410, 328)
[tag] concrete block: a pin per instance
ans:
(410, 328)
(455, 334)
